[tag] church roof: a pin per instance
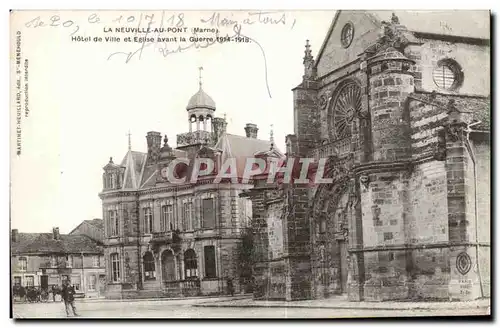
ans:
(464, 23)
(457, 23)
(201, 100)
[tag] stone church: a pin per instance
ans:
(399, 105)
(166, 239)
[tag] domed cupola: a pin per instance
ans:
(200, 108)
(200, 100)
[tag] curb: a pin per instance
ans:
(332, 307)
(339, 307)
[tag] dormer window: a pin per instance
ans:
(111, 182)
(113, 175)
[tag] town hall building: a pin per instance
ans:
(399, 105)
(170, 239)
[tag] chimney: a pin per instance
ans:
(219, 125)
(154, 145)
(251, 130)
(55, 233)
(15, 235)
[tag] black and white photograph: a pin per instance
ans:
(250, 164)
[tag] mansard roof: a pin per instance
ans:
(133, 162)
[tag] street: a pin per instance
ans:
(186, 309)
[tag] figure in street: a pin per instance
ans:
(68, 294)
(230, 287)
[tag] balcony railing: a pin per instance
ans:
(162, 237)
(195, 137)
(188, 287)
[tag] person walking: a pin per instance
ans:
(230, 286)
(68, 294)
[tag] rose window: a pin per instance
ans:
(347, 104)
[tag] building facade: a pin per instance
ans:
(399, 105)
(42, 260)
(171, 239)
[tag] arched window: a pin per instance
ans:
(149, 266)
(190, 264)
(209, 123)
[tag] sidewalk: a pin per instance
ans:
(336, 303)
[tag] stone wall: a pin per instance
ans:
(472, 58)
(482, 153)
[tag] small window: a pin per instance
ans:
(187, 217)
(92, 282)
(53, 261)
(95, 261)
(347, 35)
(30, 281)
(208, 219)
(113, 223)
(190, 264)
(447, 75)
(388, 236)
(115, 267)
(148, 220)
(210, 270)
(77, 286)
(17, 281)
(69, 261)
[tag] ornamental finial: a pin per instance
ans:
(271, 137)
(199, 78)
(129, 140)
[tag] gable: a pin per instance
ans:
(332, 54)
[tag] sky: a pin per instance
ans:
(84, 96)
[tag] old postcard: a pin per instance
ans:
(250, 164)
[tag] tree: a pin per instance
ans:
(246, 259)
